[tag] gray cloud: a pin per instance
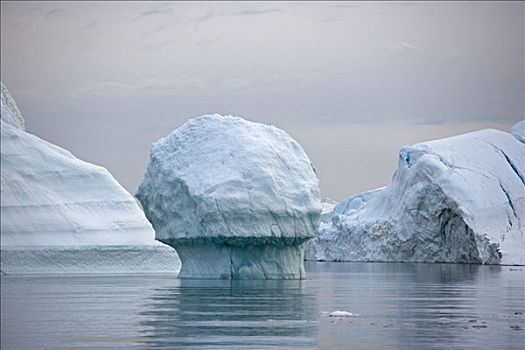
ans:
(92, 24)
(155, 9)
(352, 84)
(344, 5)
(256, 12)
(207, 16)
(404, 48)
(52, 13)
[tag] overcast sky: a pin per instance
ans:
(352, 82)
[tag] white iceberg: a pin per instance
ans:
(237, 199)
(455, 200)
(62, 215)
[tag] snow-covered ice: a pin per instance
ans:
(459, 200)
(62, 215)
(328, 206)
(518, 131)
(237, 199)
(10, 112)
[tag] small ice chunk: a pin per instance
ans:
(342, 313)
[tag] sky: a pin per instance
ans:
(352, 82)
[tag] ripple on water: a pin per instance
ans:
(419, 306)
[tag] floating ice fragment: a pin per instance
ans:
(342, 313)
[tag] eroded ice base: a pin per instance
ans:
(225, 261)
(123, 259)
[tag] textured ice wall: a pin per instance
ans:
(237, 199)
(457, 200)
(53, 204)
(10, 112)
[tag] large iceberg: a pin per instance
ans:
(237, 199)
(62, 215)
(455, 200)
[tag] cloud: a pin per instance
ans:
(255, 12)
(103, 87)
(151, 12)
(344, 4)
(207, 16)
(210, 14)
(90, 25)
(244, 84)
(86, 45)
(155, 10)
(211, 38)
(404, 48)
(155, 44)
(52, 13)
(181, 84)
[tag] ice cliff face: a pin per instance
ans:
(10, 112)
(456, 200)
(328, 205)
(60, 214)
(236, 199)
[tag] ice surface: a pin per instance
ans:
(458, 200)
(80, 259)
(52, 202)
(328, 206)
(10, 112)
(518, 131)
(237, 199)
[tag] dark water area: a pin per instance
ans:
(400, 306)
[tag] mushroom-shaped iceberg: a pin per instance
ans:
(236, 199)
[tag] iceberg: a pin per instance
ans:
(63, 215)
(236, 199)
(455, 200)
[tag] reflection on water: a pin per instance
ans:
(401, 306)
(230, 314)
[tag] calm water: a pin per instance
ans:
(401, 306)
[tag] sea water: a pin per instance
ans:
(399, 306)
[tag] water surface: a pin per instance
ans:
(400, 306)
